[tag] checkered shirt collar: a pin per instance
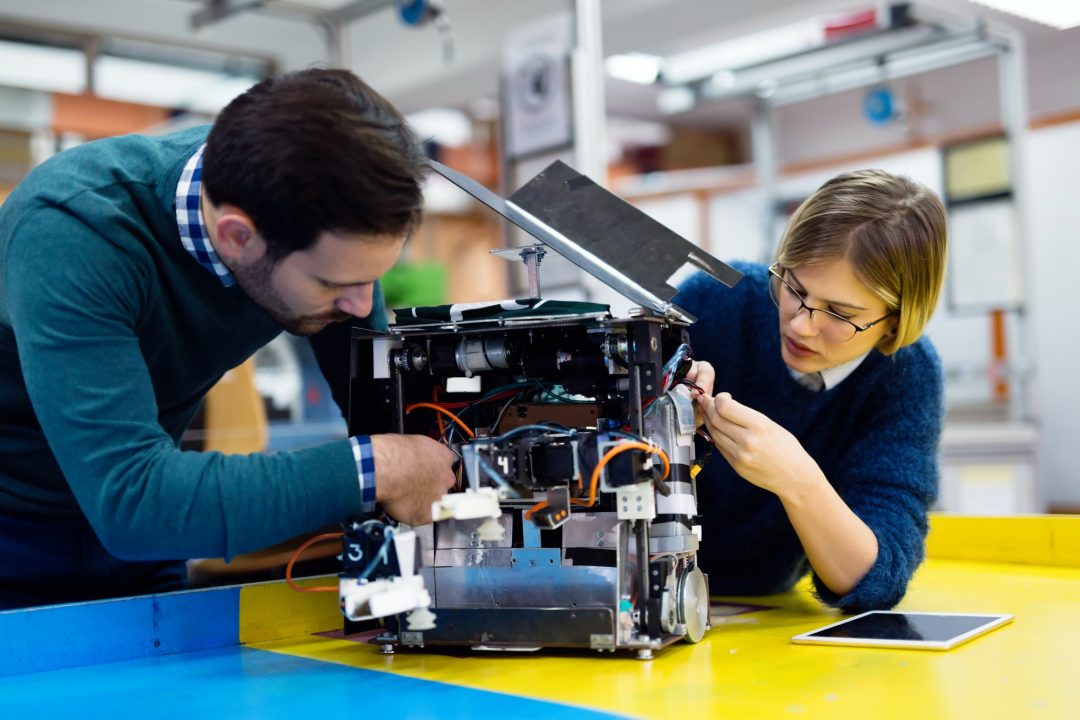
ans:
(189, 220)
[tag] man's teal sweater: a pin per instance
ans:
(111, 333)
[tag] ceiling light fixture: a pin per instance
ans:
(638, 68)
(1055, 13)
(40, 67)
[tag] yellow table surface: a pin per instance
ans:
(747, 666)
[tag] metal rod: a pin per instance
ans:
(532, 256)
(764, 158)
(587, 68)
(1012, 78)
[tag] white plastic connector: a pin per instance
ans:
(405, 548)
(467, 505)
(420, 619)
(490, 530)
(364, 600)
(636, 502)
(463, 384)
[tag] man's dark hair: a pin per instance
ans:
(315, 151)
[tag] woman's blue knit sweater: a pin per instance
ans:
(875, 436)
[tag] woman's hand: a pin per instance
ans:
(703, 375)
(840, 546)
(761, 451)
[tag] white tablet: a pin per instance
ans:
(890, 629)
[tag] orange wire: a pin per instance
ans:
(444, 411)
(544, 503)
(595, 479)
(288, 568)
(438, 417)
(621, 448)
(538, 506)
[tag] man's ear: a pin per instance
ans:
(237, 239)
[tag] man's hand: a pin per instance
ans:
(411, 472)
(757, 448)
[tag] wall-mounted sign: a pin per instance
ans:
(536, 86)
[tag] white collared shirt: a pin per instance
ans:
(828, 378)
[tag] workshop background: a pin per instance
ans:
(715, 117)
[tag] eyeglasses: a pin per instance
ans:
(836, 328)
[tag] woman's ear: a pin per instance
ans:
(892, 326)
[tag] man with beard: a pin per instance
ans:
(136, 271)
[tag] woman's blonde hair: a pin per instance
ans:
(892, 231)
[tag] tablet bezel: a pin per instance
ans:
(993, 621)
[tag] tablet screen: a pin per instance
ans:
(941, 630)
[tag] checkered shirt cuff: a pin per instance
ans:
(365, 470)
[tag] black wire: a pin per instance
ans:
(486, 397)
(499, 417)
(692, 386)
(549, 426)
(448, 432)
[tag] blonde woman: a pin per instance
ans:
(829, 405)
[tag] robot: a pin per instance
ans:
(574, 524)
